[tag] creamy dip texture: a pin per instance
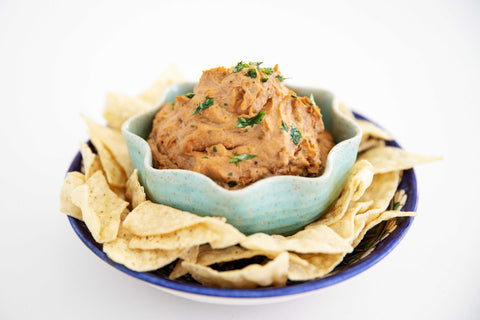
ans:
(241, 125)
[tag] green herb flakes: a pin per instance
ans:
(190, 95)
(240, 66)
(279, 77)
(232, 184)
(256, 64)
(252, 73)
(204, 105)
(214, 149)
(295, 134)
(283, 127)
(293, 95)
(264, 79)
(244, 122)
(242, 157)
(267, 71)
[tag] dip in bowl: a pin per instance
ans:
(280, 204)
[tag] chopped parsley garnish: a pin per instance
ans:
(264, 79)
(244, 122)
(230, 174)
(295, 134)
(242, 157)
(190, 95)
(279, 77)
(240, 66)
(256, 64)
(312, 99)
(293, 95)
(204, 105)
(252, 73)
(214, 148)
(268, 71)
(232, 184)
(283, 127)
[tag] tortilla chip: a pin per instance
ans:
(358, 181)
(137, 259)
(113, 141)
(149, 219)
(135, 192)
(169, 76)
(274, 273)
(179, 239)
(370, 130)
(388, 159)
(72, 181)
(368, 144)
(114, 172)
(345, 110)
(315, 239)
(228, 234)
(101, 207)
(190, 256)
(345, 227)
(119, 108)
(91, 162)
(312, 265)
(382, 217)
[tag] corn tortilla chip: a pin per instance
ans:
(72, 181)
(91, 161)
(119, 108)
(371, 130)
(386, 159)
(135, 192)
(113, 141)
(312, 266)
(368, 144)
(274, 273)
(101, 207)
(358, 181)
(149, 219)
(169, 76)
(316, 239)
(382, 217)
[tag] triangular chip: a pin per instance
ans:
(150, 218)
(169, 76)
(371, 130)
(101, 207)
(113, 141)
(72, 181)
(273, 273)
(388, 159)
(312, 266)
(119, 108)
(135, 192)
(91, 161)
(317, 239)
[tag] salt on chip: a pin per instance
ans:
(169, 76)
(304, 267)
(388, 159)
(135, 192)
(273, 273)
(72, 181)
(317, 239)
(113, 141)
(101, 207)
(358, 180)
(390, 214)
(137, 259)
(119, 108)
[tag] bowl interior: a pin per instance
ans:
(353, 263)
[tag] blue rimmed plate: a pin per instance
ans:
(353, 263)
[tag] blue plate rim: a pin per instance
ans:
(382, 249)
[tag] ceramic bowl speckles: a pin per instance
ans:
(280, 204)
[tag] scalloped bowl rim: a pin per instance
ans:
(251, 188)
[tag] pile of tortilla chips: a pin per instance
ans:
(146, 236)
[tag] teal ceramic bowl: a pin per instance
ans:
(280, 204)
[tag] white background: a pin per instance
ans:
(412, 66)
